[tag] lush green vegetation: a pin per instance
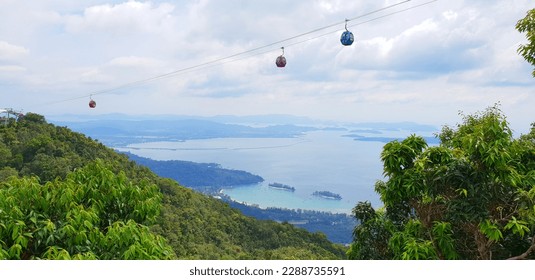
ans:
(471, 197)
(63, 195)
(93, 214)
(527, 25)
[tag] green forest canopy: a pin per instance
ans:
(527, 25)
(471, 197)
(65, 196)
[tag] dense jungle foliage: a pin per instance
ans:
(527, 25)
(65, 196)
(471, 197)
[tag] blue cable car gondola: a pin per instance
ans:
(281, 60)
(347, 37)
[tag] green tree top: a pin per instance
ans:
(471, 197)
(527, 25)
(92, 214)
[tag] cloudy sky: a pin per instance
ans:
(424, 64)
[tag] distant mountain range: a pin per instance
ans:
(123, 132)
(229, 119)
(117, 130)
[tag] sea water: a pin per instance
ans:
(315, 161)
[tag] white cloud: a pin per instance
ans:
(94, 76)
(12, 52)
(425, 63)
(124, 18)
(433, 46)
(11, 68)
(135, 61)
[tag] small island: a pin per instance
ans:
(327, 195)
(282, 187)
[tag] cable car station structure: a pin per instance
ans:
(7, 113)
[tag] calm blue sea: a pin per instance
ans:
(316, 161)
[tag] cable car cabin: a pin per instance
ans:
(347, 38)
(92, 104)
(281, 61)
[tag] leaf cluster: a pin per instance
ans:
(471, 197)
(527, 25)
(92, 214)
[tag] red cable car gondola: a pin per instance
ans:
(92, 104)
(281, 60)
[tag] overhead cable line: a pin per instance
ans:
(361, 23)
(220, 61)
(302, 41)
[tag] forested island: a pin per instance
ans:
(327, 195)
(282, 187)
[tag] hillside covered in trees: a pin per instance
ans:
(66, 196)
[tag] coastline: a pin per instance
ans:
(265, 197)
(294, 163)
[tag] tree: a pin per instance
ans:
(471, 197)
(371, 235)
(527, 25)
(92, 214)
